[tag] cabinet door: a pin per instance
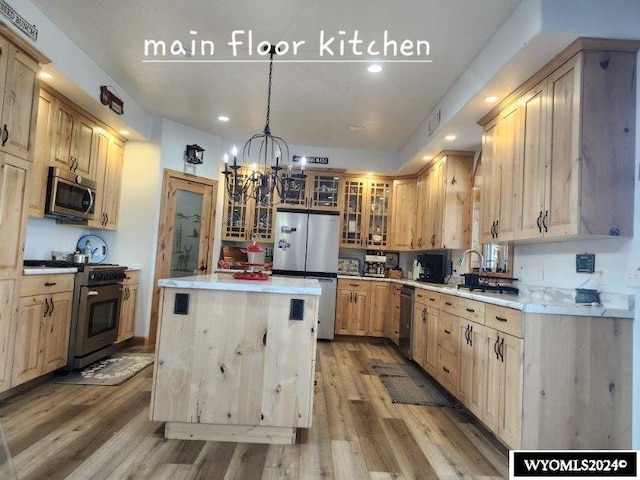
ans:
(472, 366)
(297, 195)
(378, 210)
(531, 173)
(404, 203)
(28, 346)
(56, 325)
(7, 313)
(84, 137)
(100, 155)
(353, 214)
(494, 378)
(65, 121)
(422, 233)
(436, 188)
(111, 184)
(41, 155)
(238, 212)
(563, 133)
(380, 293)
(344, 300)
(325, 191)
(126, 327)
(20, 104)
(13, 213)
(419, 334)
(431, 342)
(490, 189)
(263, 223)
(510, 420)
(361, 310)
(507, 159)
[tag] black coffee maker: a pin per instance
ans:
(433, 268)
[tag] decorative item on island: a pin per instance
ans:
(235, 360)
(254, 265)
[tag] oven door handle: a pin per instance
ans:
(92, 293)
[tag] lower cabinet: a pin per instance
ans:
(41, 332)
(379, 294)
(353, 307)
(392, 318)
(127, 326)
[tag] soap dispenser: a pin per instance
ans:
(416, 270)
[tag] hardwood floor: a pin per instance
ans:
(86, 432)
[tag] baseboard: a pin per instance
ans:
(18, 389)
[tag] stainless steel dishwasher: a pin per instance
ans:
(406, 320)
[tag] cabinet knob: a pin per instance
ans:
(5, 134)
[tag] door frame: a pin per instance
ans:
(165, 233)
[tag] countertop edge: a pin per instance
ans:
(312, 287)
(48, 270)
(526, 304)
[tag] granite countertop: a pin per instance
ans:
(302, 286)
(531, 299)
(47, 270)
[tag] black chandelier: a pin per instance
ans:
(264, 182)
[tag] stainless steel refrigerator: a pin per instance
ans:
(306, 245)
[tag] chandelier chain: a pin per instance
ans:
(267, 128)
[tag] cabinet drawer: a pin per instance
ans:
(471, 310)
(448, 370)
(450, 304)
(504, 319)
(448, 332)
(46, 284)
(422, 296)
(363, 286)
(131, 277)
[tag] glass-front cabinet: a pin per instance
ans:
(320, 190)
(366, 212)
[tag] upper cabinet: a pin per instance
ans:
(558, 154)
(444, 196)
(19, 107)
(320, 190)
(108, 155)
(366, 213)
(403, 219)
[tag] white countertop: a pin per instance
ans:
(530, 300)
(133, 269)
(302, 286)
(47, 270)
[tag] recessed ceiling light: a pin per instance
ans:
(124, 132)
(353, 126)
(223, 118)
(491, 99)
(427, 157)
(450, 138)
(375, 68)
(45, 75)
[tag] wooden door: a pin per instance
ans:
(13, 213)
(478, 369)
(20, 104)
(28, 340)
(531, 173)
(84, 136)
(419, 334)
(126, 328)
(343, 305)
(378, 207)
(325, 191)
(353, 214)
(494, 378)
(490, 189)
(438, 176)
(65, 121)
(466, 361)
(563, 134)
(431, 342)
(111, 184)
(510, 419)
(404, 203)
(101, 159)
(238, 212)
(507, 158)
(361, 310)
(379, 293)
(422, 218)
(55, 331)
(185, 232)
(8, 302)
(41, 155)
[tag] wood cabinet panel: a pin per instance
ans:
(353, 307)
(126, 327)
(419, 334)
(473, 357)
(29, 348)
(431, 342)
(504, 319)
(379, 295)
(56, 332)
(8, 310)
(42, 152)
(403, 218)
(366, 212)
(13, 213)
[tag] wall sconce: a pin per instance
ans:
(195, 154)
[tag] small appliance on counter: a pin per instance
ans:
(349, 266)
(375, 265)
(434, 267)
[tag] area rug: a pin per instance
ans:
(113, 370)
(407, 384)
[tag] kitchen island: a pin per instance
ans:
(235, 359)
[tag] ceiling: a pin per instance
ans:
(312, 102)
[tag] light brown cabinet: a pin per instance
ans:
(18, 110)
(419, 331)
(546, 143)
(38, 178)
(392, 319)
(403, 218)
(108, 155)
(127, 325)
(444, 201)
(379, 296)
(41, 332)
(366, 214)
(320, 190)
(353, 307)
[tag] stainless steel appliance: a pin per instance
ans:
(306, 245)
(95, 315)
(407, 295)
(375, 265)
(434, 267)
(69, 196)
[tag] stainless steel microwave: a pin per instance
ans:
(69, 196)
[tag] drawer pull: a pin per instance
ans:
(448, 332)
(448, 303)
(501, 319)
(432, 299)
(50, 284)
(354, 284)
(470, 310)
(446, 369)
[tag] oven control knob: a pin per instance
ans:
(92, 276)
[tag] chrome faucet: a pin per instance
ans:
(467, 252)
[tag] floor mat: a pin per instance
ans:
(113, 370)
(408, 384)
